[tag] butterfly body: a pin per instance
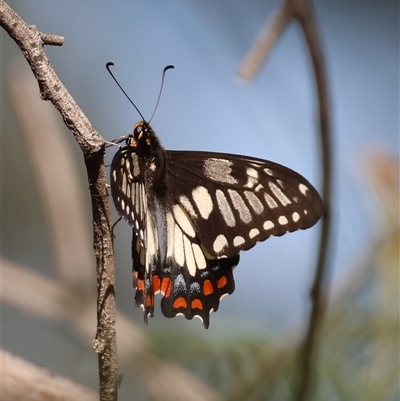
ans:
(192, 213)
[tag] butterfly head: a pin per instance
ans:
(142, 135)
(144, 142)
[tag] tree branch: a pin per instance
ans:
(31, 43)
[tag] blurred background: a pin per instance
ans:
(249, 347)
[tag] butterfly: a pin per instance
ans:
(192, 213)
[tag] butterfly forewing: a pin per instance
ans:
(193, 212)
(236, 201)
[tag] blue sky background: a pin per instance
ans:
(204, 106)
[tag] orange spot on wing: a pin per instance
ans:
(207, 287)
(165, 287)
(197, 304)
(140, 285)
(180, 303)
(149, 300)
(222, 282)
(156, 283)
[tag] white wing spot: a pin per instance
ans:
(170, 235)
(252, 177)
(258, 187)
(279, 194)
(220, 243)
(178, 246)
(137, 197)
(203, 201)
(270, 201)
(238, 240)
(199, 256)
(305, 211)
(219, 170)
(152, 239)
(269, 172)
(295, 217)
(254, 232)
(183, 220)
(283, 220)
(240, 206)
(136, 168)
(190, 263)
(225, 209)
(114, 175)
(123, 183)
(268, 225)
(255, 203)
(303, 189)
(185, 202)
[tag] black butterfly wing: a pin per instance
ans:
(236, 201)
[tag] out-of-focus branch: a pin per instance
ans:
(57, 178)
(31, 43)
(21, 380)
(265, 43)
(302, 10)
(319, 290)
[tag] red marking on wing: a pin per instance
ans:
(222, 282)
(197, 304)
(180, 303)
(165, 287)
(140, 285)
(156, 283)
(207, 287)
(149, 300)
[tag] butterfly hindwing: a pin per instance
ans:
(197, 281)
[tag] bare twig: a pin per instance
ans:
(303, 11)
(31, 44)
(21, 380)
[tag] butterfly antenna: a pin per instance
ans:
(168, 67)
(108, 65)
